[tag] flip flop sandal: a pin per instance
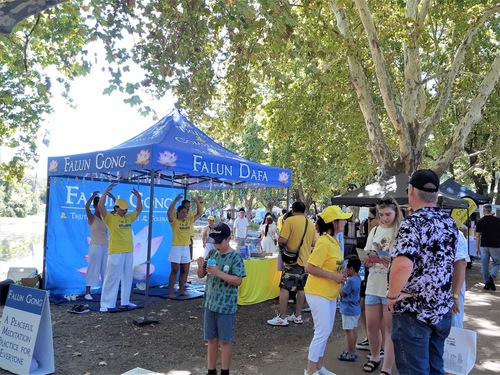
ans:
(371, 366)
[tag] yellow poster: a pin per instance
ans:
(460, 215)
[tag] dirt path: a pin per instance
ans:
(108, 344)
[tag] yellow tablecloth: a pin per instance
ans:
(261, 283)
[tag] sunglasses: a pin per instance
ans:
(386, 201)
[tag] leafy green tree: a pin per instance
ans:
(18, 200)
(405, 63)
(343, 90)
(53, 38)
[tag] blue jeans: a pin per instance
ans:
(418, 346)
(486, 253)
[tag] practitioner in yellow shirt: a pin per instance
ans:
(120, 263)
(187, 203)
(179, 256)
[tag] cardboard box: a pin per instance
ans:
(30, 281)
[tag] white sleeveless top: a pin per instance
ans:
(98, 232)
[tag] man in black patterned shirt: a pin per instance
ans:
(420, 280)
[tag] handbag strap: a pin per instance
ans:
(305, 231)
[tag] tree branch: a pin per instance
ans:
(471, 118)
(383, 78)
(377, 144)
(27, 42)
(445, 94)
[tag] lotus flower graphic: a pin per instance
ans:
(53, 166)
(140, 254)
(167, 159)
(283, 178)
(143, 157)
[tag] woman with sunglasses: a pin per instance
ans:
(378, 318)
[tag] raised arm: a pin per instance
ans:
(199, 207)
(171, 208)
(138, 207)
(100, 205)
(90, 216)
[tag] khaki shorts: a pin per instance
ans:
(240, 241)
(293, 278)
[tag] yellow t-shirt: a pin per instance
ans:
(181, 231)
(293, 230)
(120, 232)
(327, 256)
(279, 224)
(191, 215)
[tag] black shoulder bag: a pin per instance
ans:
(290, 256)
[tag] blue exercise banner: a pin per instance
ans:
(68, 233)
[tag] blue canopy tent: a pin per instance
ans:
(172, 154)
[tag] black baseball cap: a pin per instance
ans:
(426, 180)
(220, 232)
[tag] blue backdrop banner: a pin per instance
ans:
(68, 233)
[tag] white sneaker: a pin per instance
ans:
(88, 297)
(103, 309)
(324, 371)
(295, 319)
(277, 321)
(129, 306)
(314, 373)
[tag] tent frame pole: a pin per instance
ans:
(146, 320)
(44, 265)
(287, 198)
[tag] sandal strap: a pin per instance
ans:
(371, 366)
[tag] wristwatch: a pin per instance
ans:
(455, 296)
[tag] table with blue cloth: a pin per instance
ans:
(262, 281)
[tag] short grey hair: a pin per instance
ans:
(427, 196)
(487, 208)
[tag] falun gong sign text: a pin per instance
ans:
(26, 345)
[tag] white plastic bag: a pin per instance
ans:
(460, 351)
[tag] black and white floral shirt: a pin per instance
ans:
(429, 239)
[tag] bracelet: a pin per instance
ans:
(455, 296)
(393, 298)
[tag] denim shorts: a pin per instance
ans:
(350, 322)
(375, 300)
(218, 326)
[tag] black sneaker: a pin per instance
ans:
(369, 356)
(491, 283)
(79, 309)
(486, 286)
(363, 345)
